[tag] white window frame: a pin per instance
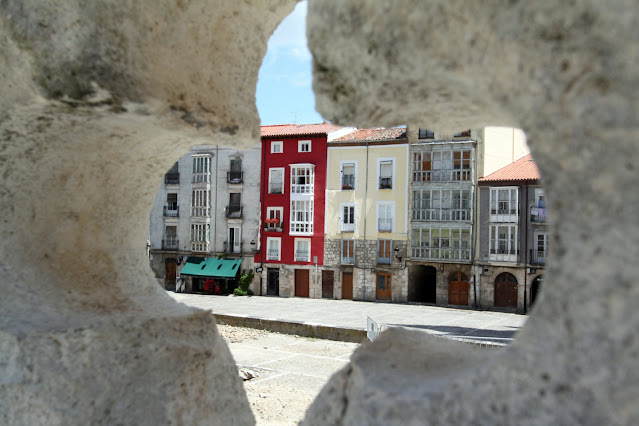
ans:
(200, 237)
(272, 226)
(275, 145)
(301, 227)
(201, 169)
(387, 206)
(270, 179)
(278, 241)
(442, 242)
(302, 144)
(299, 241)
(237, 247)
(381, 161)
(512, 243)
(511, 213)
(341, 175)
(347, 226)
(307, 188)
(200, 203)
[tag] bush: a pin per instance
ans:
(242, 288)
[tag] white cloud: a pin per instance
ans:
(290, 36)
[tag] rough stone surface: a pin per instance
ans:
(99, 100)
(566, 74)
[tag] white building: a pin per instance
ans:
(207, 206)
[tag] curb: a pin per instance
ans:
(316, 331)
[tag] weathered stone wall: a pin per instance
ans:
(99, 100)
(566, 74)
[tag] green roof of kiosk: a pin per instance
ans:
(211, 267)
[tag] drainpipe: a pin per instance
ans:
(262, 212)
(365, 215)
(526, 249)
(216, 209)
(474, 229)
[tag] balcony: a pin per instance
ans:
(537, 257)
(537, 214)
(444, 253)
(386, 183)
(348, 182)
(233, 211)
(276, 188)
(200, 246)
(448, 215)
(385, 225)
(234, 177)
(170, 242)
(348, 260)
(302, 256)
(233, 248)
(504, 255)
(381, 260)
(348, 227)
(273, 254)
(203, 212)
(306, 188)
(172, 178)
(442, 175)
(274, 227)
(171, 211)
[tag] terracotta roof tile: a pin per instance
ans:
(522, 169)
(379, 134)
(299, 129)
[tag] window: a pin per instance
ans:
(200, 237)
(348, 176)
(171, 207)
(385, 215)
(200, 203)
(441, 242)
(443, 164)
(386, 174)
(422, 166)
(202, 169)
(172, 177)
(461, 165)
(274, 219)
(302, 179)
(301, 216)
(302, 250)
(541, 249)
(234, 209)
(504, 201)
(303, 146)
(348, 251)
(464, 134)
(426, 134)
(277, 147)
(503, 243)
(235, 174)
(170, 241)
(384, 250)
(276, 181)
(347, 217)
(538, 210)
(273, 245)
(234, 244)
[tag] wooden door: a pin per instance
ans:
(327, 284)
(170, 272)
(458, 289)
(301, 283)
(347, 285)
(383, 286)
(506, 290)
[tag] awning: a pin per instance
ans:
(211, 267)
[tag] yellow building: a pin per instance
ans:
(366, 224)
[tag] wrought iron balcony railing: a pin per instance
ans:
(234, 177)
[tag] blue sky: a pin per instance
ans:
(284, 88)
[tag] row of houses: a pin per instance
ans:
(401, 215)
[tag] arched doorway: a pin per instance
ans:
(506, 290)
(423, 284)
(458, 289)
(535, 287)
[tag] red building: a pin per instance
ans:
(292, 199)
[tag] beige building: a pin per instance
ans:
(367, 220)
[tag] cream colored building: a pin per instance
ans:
(367, 221)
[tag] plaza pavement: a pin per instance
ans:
(346, 320)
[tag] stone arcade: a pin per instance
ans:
(98, 102)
